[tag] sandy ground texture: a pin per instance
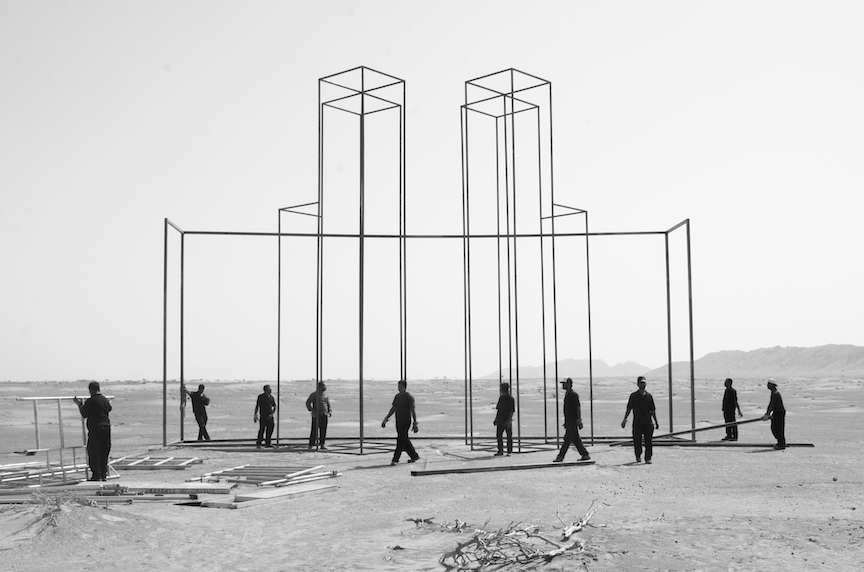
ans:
(747, 508)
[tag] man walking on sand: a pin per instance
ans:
(641, 403)
(730, 404)
(96, 410)
(504, 419)
(199, 408)
(267, 406)
(318, 404)
(572, 423)
(777, 414)
(403, 407)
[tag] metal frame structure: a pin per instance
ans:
(361, 93)
(504, 98)
(59, 401)
(519, 108)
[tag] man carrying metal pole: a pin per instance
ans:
(730, 404)
(777, 414)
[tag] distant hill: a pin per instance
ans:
(577, 368)
(826, 360)
(777, 361)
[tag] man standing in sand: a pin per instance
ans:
(641, 403)
(199, 408)
(319, 405)
(730, 404)
(572, 423)
(403, 407)
(95, 410)
(777, 414)
(267, 406)
(504, 419)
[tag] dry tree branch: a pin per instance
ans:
(51, 506)
(515, 545)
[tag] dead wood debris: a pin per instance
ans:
(430, 524)
(52, 504)
(518, 545)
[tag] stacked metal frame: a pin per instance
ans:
(508, 197)
(349, 208)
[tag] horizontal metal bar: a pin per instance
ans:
(459, 236)
(569, 207)
(298, 206)
(697, 429)
(560, 215)
(177, 228)
(300, 213)
(64, 398)
(511, 70)
(326, 77)
(679, 225)
(500, 468)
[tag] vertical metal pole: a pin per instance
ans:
(690, 311)
(60, 424)
(590, 344)
(498, 258)
(319, 262)
(164, 338)
(463, 118)
(542, 276)
(555, 337)
(36, 422)
(507, 249)
(403, 168)
(182, 327)
(669, 329)
(466, 255)
(361, 239)
(515, 268)
(278, 321)
(554, 273)
(62, 440)
(87, 453)
(402, 323)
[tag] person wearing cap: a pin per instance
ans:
(572, 423)
(403, 407)
(199, 408)
(730, 404)
(641, 403)
(503, 421)
(777, 414)
(318, 404)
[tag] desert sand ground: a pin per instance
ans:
(747, 508)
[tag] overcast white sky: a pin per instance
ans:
(745, 117)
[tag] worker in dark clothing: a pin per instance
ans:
(641, 403)
(504, 419)
(318, 404)
(777, 414)
(403, 407)
(730, 404)
(96, 410)
(199, 408)
(267, 406)
(572, 423)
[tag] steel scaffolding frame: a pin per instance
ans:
(502, 96)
